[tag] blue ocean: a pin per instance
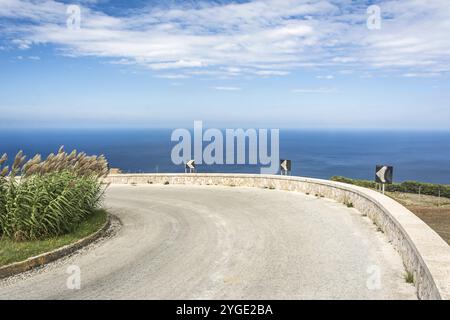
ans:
(422, 156)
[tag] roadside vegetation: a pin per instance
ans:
(14, 251)
(43, 199)
(430, 189)
(409, 277)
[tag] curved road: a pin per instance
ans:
(210, 242)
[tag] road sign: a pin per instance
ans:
(384, 174)
(285, 166)
(190, 166)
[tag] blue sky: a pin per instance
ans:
(268, 63)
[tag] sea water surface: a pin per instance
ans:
(422, 156)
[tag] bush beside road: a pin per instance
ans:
(431, 189)
(14, 251)
(42, 199)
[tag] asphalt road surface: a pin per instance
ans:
(211, 242)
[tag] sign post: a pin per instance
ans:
(383, 175)
(285, 167)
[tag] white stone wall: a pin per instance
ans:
(424, 253)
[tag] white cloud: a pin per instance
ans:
(327, 77)
(35, 58)
(423, 75)
(227, 88)
(22, 44)
(265, 37)
(271, 73)
(315, 90)
(172, 76)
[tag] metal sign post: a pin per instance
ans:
(285, 167)
(384, 175)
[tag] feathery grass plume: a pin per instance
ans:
(52, 196)
(71, 158)
(31, 165)
(18, 161)
(50, 156)
(3, 159)
(3, 171)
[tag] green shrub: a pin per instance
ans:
(409, 277)
(361, 183)
(41, 199)
(407, 186)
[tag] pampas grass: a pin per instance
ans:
(44, 198)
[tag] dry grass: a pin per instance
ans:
(432, 210)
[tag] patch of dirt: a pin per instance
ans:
(434, 211)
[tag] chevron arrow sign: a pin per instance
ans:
(190, 164)
(384, 174)
(285, 165)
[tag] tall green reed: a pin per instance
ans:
(44, 198)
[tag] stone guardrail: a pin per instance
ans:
(424, 253)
